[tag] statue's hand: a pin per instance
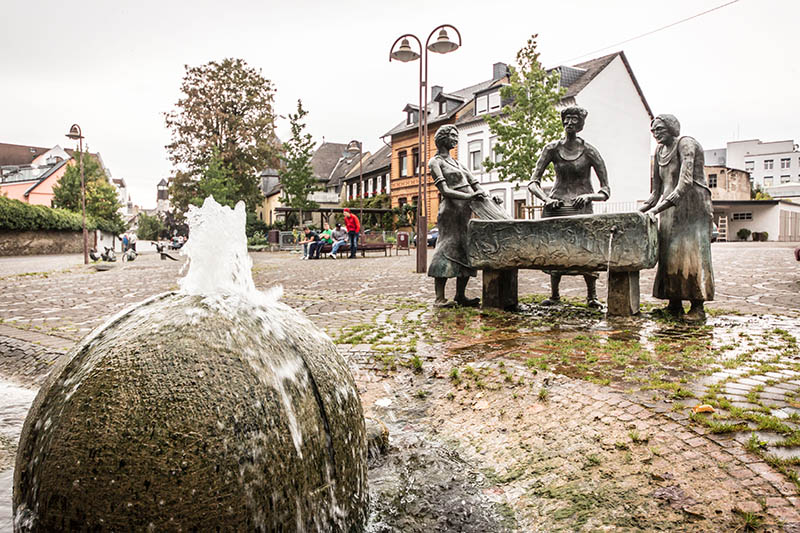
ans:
(651, 216)
(582, 200)
(479, 195)
(552, 203)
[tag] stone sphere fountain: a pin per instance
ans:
(214, 408)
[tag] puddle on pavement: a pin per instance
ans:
(621, 352)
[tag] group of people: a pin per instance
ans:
(313, 241)
(128, 241)
(679, 194)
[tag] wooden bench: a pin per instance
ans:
(367, 242)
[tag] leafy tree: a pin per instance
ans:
(150, 228)
(224, 114)
(102, 201)
(297, 178)
(530, 120)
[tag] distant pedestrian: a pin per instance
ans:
(125, 242)
(132, 241)
(309, 243)
(353, 229)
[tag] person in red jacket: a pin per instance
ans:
(353, 226)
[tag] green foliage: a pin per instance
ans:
(743, 234)
(373, 220)
(757, 193)
(102, 202)
(297, 179)
(16, 215)
(150, 228)
(223, 132)
(530, 120)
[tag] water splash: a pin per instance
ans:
(217, 251)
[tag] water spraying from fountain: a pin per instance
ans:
(214, 407)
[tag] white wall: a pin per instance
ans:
(618, 125)
(740, 152)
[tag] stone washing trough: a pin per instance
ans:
(622, 243)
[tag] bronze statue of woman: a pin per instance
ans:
(572, 193)
(685, 224)
(460, 194)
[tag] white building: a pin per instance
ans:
(618, 125)
(780, 219)
(769, 163)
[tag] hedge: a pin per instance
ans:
(16, 215)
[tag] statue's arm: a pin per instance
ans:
(656, 184)
(535, 186)
(435, 167)
(687, 150)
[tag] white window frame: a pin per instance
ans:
(786, 178)
(770, 178)
(785, 162)
(402, 163)
(494, 101)
(749, 166)
(714, 184)
(742, 216)
(481, 104)
(476, 147)
(769, 164)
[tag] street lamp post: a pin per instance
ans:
(75, 133)
(352, 147)
(405, 53)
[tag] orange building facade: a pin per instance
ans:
(38, 190)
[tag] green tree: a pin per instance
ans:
(224, 113)
(297, 178)
(529, 121)
(757, 193)
(102, 201)
(150, 228)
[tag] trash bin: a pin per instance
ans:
(273, 237)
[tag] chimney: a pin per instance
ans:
(499, 70)
(436, 90)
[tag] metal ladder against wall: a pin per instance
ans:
(722, 228)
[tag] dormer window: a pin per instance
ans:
(442, 107)
(481, 104)
(494, 101)
(409, 118)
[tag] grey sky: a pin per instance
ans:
(115, 67)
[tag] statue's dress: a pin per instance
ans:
(684, 231)
(450, 259)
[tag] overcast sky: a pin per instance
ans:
(115, 67)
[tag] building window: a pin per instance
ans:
(749, 166)
(712, 181)
(481, 104)
(785, 162)
(742, 216)
(786, 179)
(493, 152)
(402, 201)
(476, 156)
(768, 181)
(415, 160)
(768, 164)
(494, 101)
(442, 107)
(402, 163)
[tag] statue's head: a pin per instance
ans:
(665, 128)
(446, 137)
(573, 118)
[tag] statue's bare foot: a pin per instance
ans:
(593, 303)
(468, 302)
(553, 300)
(443, 303)
(695, 314)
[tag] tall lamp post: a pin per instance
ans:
(354, 147)
(405, 53)
(75, 133)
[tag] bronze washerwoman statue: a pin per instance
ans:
(572, 193)
(685, 221)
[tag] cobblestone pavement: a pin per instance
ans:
(679, 475)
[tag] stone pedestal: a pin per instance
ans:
(623, 293)
(500, 288)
